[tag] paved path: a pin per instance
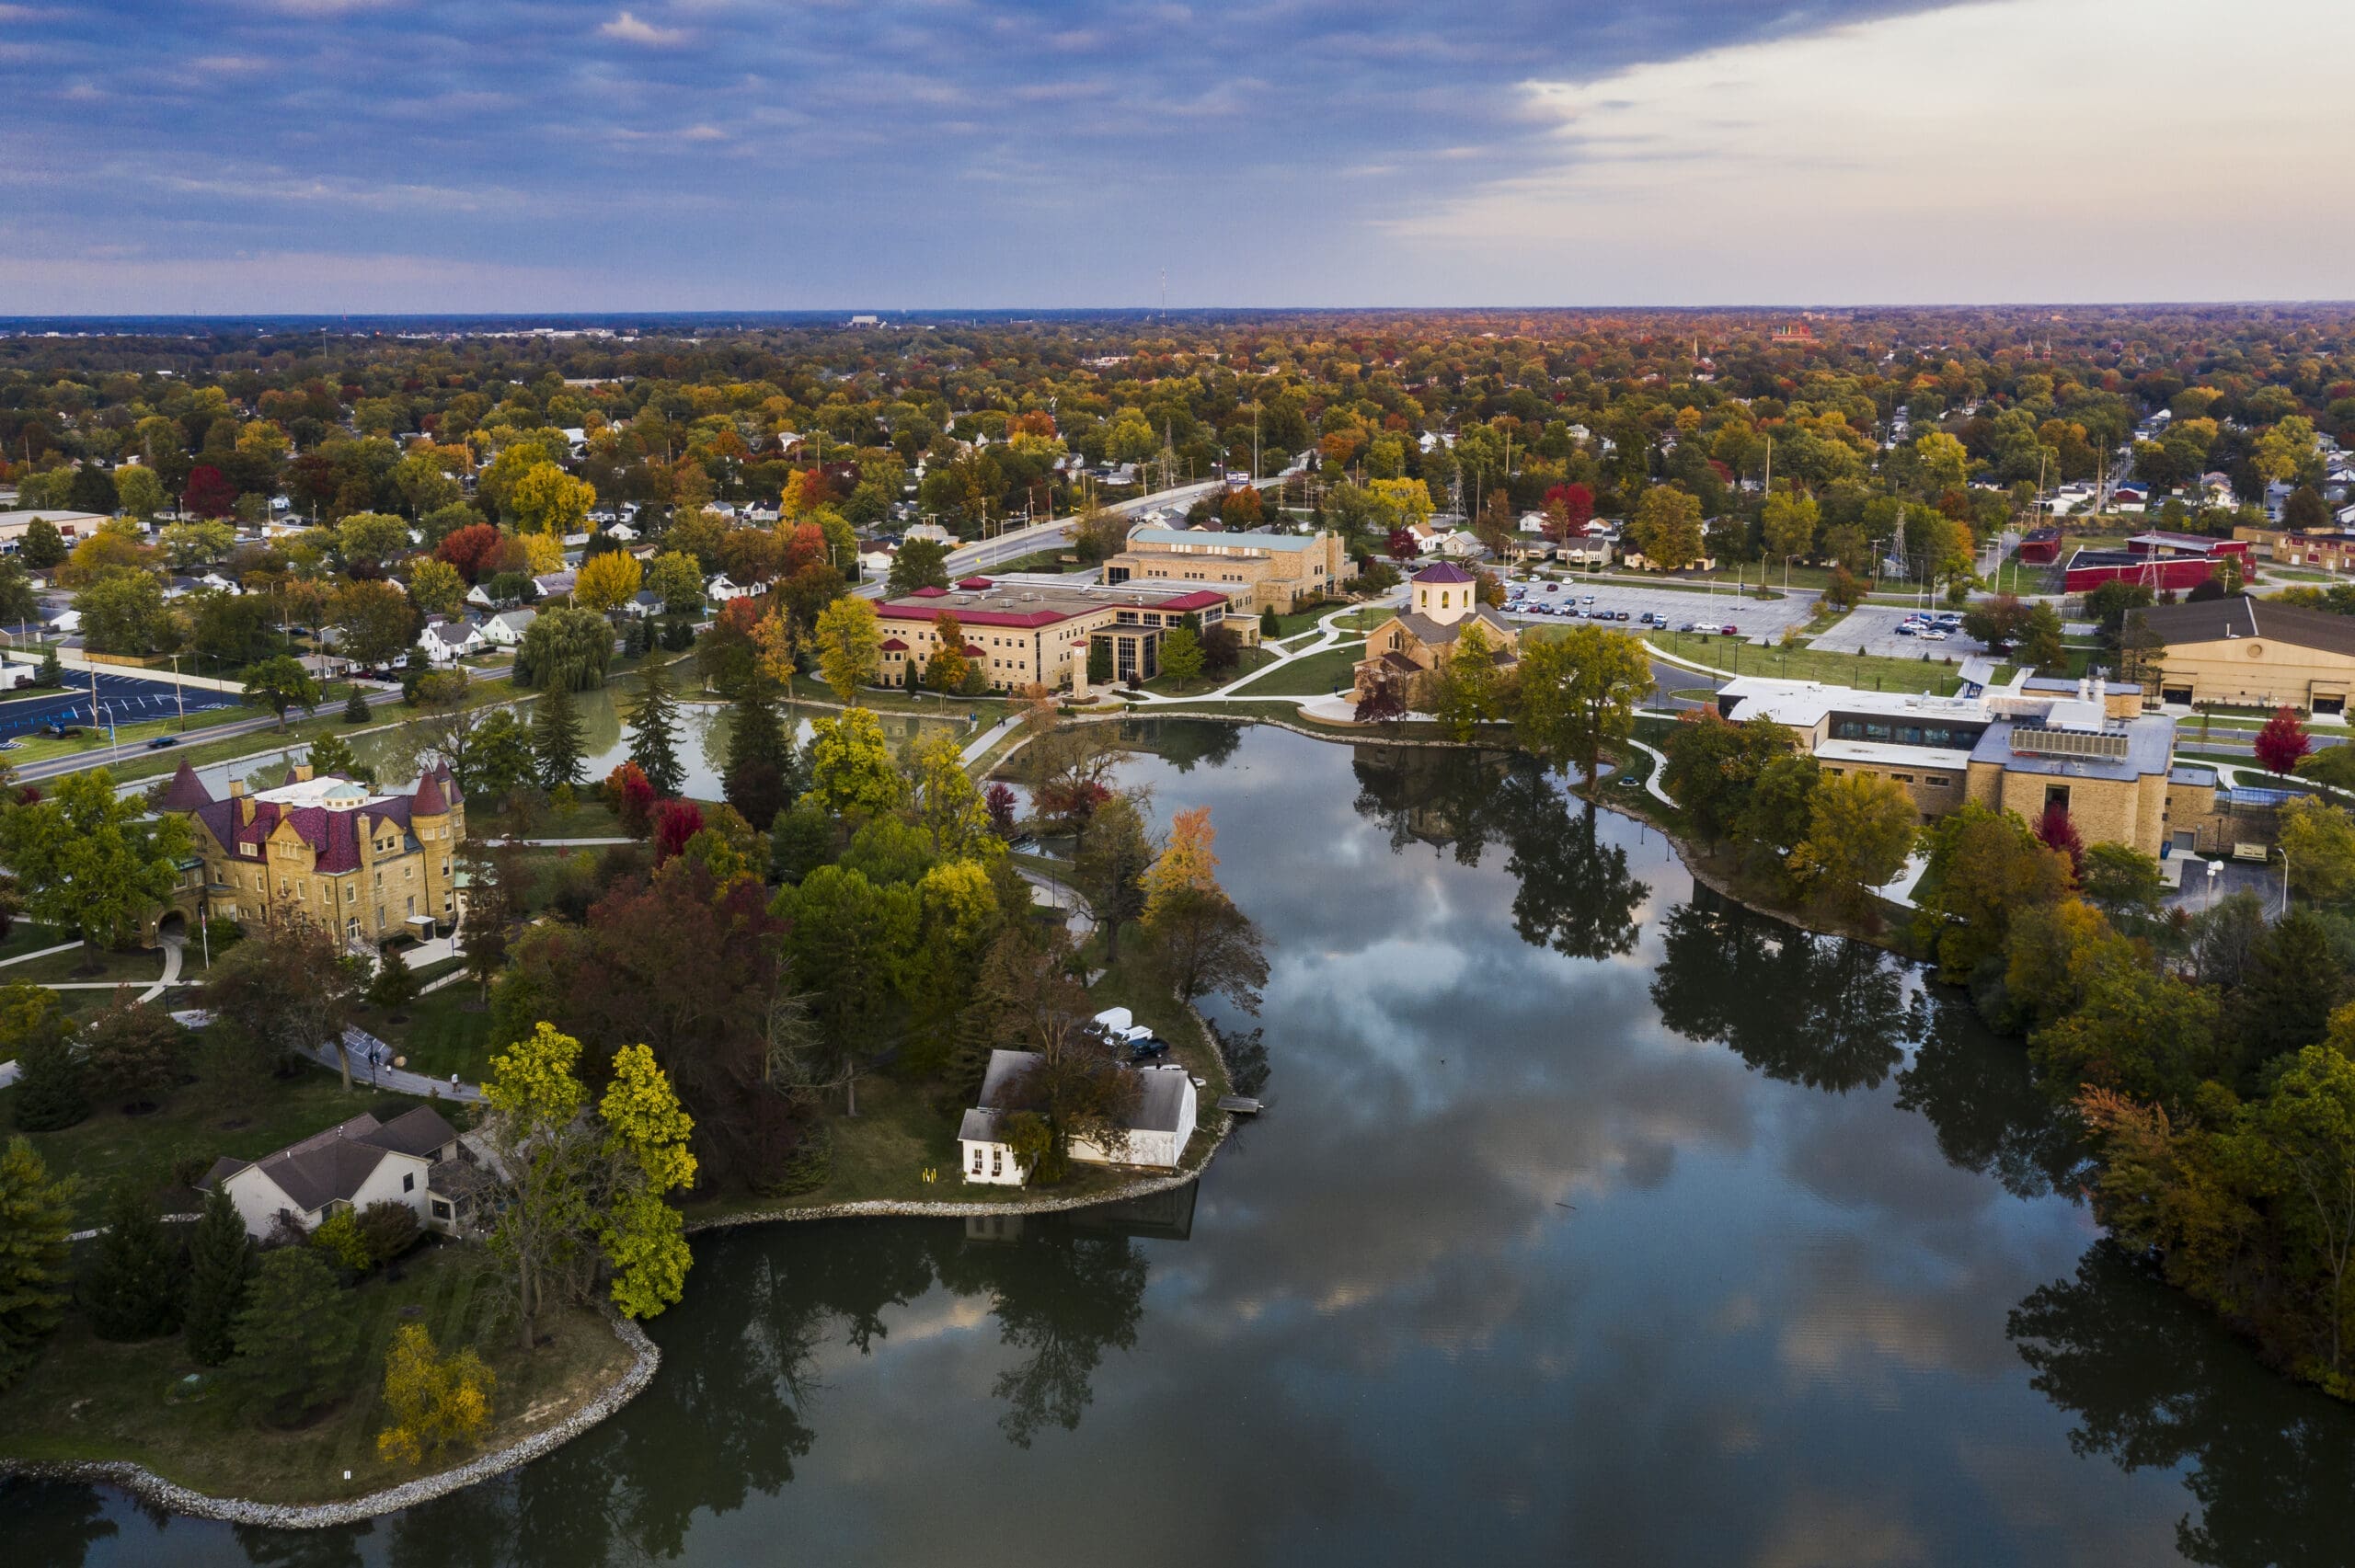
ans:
(558, 843)
(1651, 776)
(978, 746)
(175, 947)
(44, 953)
(398, 1080)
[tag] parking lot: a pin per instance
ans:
(1760, 619)
(122, 699)
(1872, 628)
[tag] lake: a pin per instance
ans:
(1593, 1222)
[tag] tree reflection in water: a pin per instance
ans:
(1826, 1012)
(2152, 1380)
(736, 1402)
(1574, 893)
(1974, 1089)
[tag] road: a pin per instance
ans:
(982, 556)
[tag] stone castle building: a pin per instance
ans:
(372, 866)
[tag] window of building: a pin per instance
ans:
(408, 1182)
(977, 1161)
(440, 1209)
(2056, 797)
(1935, 783)
(997, 1160)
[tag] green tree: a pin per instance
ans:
(131, 1288)
(2125, 885)
(91, 861)
(1110, 869)
(141, 493)
(558, 747)
(850, 941)
(654, 732)
(331, 753)
(1466, 690)
(123, 613)
(221, 1263)
(1181, 655)
(676, 579)
(1203, 945)
(279, 684)
(1861, 829)
(187, 546)
(355, 706)
(1578, 695)
(2286, 997)
(2151, 1037)
(293, 1336)
(2306, 1129)
(1788, 522)
(1985, 866)
(566, 647)
(132, 1053)
(368, 540)
(435, 587)
(43, 546)
(375, 621)
(763, 772)
(2038, 645)
(35, 1212)
(51, 1092)
(2319, 840)
(917, 563)
(1714, 766)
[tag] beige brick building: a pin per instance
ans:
(370, 866)
(2085, 749)
(1021, 632)
(1258, 571)
(1443, 601)
(2252, 653)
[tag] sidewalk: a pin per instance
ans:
(384, 1076)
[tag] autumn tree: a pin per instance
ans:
(851, 771)
(1111, 868)
(1578, 694)
(1667, 527)
(606, 582)
(434, 1399)
(850, 645)
(1862, 829)
(2282, 743)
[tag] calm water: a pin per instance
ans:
(1593, 1222)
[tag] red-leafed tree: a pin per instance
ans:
(2282, 743)
(208, 492)
(632, 798)
(473, 550)
(1569, 508)
(2058, 832)
(675, 821)
(1402, 545)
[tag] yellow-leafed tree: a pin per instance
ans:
(435, 1400)
(607, 581)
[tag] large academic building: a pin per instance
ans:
(2083, 747)
(1022, 632)
(1258, 571)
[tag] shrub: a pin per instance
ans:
(388, 1229)
(338, 1237)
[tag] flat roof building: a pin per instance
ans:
(1259, 571)
(2241, 652)
(1026, 631)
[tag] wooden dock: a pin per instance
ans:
(1240, 1105)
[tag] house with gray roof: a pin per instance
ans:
(1157, 1133)
(351, 1166)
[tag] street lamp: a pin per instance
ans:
(2285, 879)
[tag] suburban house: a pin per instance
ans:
(555, 585)
(1271, 570)
(2082, 747)
(2252, 653)
(506, 629)
(1445, 599)
(1031, 631)
(1157, 1132)
(369, 865)
(447, 642)
(350, 1167)
(719, 589)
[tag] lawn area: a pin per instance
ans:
(439, 1035)
(1863, 670)
(1301, 621)
(137, 967)
(25, 937)
(1314, 676)
(108, 1144)
(87, 1400)
(1252, 658)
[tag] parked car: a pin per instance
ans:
(1150, 1048)
(1619, 615)
(1587, 600)
(1690, 626)
(1729, 630)
(1934, 637)
(1908, 629)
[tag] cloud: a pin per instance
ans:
(630, 29)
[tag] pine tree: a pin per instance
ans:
(132, 1290)
(51, 673)
(760, 781)
(51, 1090)
(291, 1335)
(220, 1263)
(355, 707)
(34, 1213)
(654, 733)
(395, 985)
(557, 743)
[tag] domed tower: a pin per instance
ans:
(1444, 594)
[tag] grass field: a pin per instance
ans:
(1314, 676)
(87, 1400)
(108, 1145)
(24, 937)
(1253, 658)
(439, 1035)
(1862, 670)
(100, 964)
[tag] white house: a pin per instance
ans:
(555, 585)
(360, 1162)
(506, 629)
(447, 642)
(720, 590)
(1158, 1132)
(875, 560)
(931, 531)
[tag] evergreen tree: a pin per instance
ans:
(220, 1263)
(51, 1090)
(2286, 996)
(51, 673)
(800, 840)
(34, 1214)
(557, 742)
(395, 985)
(654, 733)
(290, 1337)
(760, 778)
(132, 1290)
(355, 707)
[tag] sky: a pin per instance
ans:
(220, 156)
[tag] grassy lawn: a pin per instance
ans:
(1253, 658)
(124, 968)
(1301, 621)
(1314, 676)
(1864, 670)
(439, 1035)
(108, 1144)
(26, 937)
(87, 1400)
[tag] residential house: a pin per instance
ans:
(1157, 1132)
(447, 642)
(719, 589)
(506, 629)
(350, 1167)
(555, 585)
